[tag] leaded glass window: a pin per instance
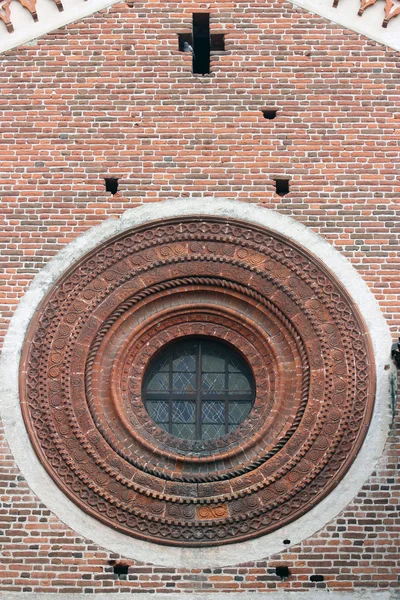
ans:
(198, 389)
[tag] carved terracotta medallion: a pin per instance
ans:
(96, 333)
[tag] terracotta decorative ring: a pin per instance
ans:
(99, 328)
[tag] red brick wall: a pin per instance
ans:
(112, 96)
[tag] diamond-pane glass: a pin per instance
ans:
(238, 383)
(211, 432)
(183, 412)
(213, 363)
(158, 383)
(213, 412)
(185, 359)
(198, 389)
(213, 383)
(158, 410)
(233, 366)
(182, 430)
(238, 411)
(183, 383)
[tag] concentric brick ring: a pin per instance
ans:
(194, 316)
(97, 331)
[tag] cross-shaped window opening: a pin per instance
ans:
(201, 42)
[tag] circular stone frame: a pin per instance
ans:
(95, 332)
(247, 258)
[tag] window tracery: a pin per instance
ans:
(198, 389)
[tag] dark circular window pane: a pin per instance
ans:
(198, 389)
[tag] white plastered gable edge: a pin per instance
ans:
(50, 19)
(45, 488)
(346, 14)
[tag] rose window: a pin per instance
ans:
(198, 389)
(197, 381)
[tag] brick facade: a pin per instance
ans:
(111, 96)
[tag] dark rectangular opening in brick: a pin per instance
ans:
(111, 185)
(282, 186)
(269, 113)
(282, 572)
(218, 42)
(317, 578)
(182, 38)
(120, 569)
(201, 43)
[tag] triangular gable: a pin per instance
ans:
(24, 20)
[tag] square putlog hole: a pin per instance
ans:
(269, 113)
(217, 42)
(282, 186)
(111, 185)
(282, 572)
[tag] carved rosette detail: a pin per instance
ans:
(94, 335)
